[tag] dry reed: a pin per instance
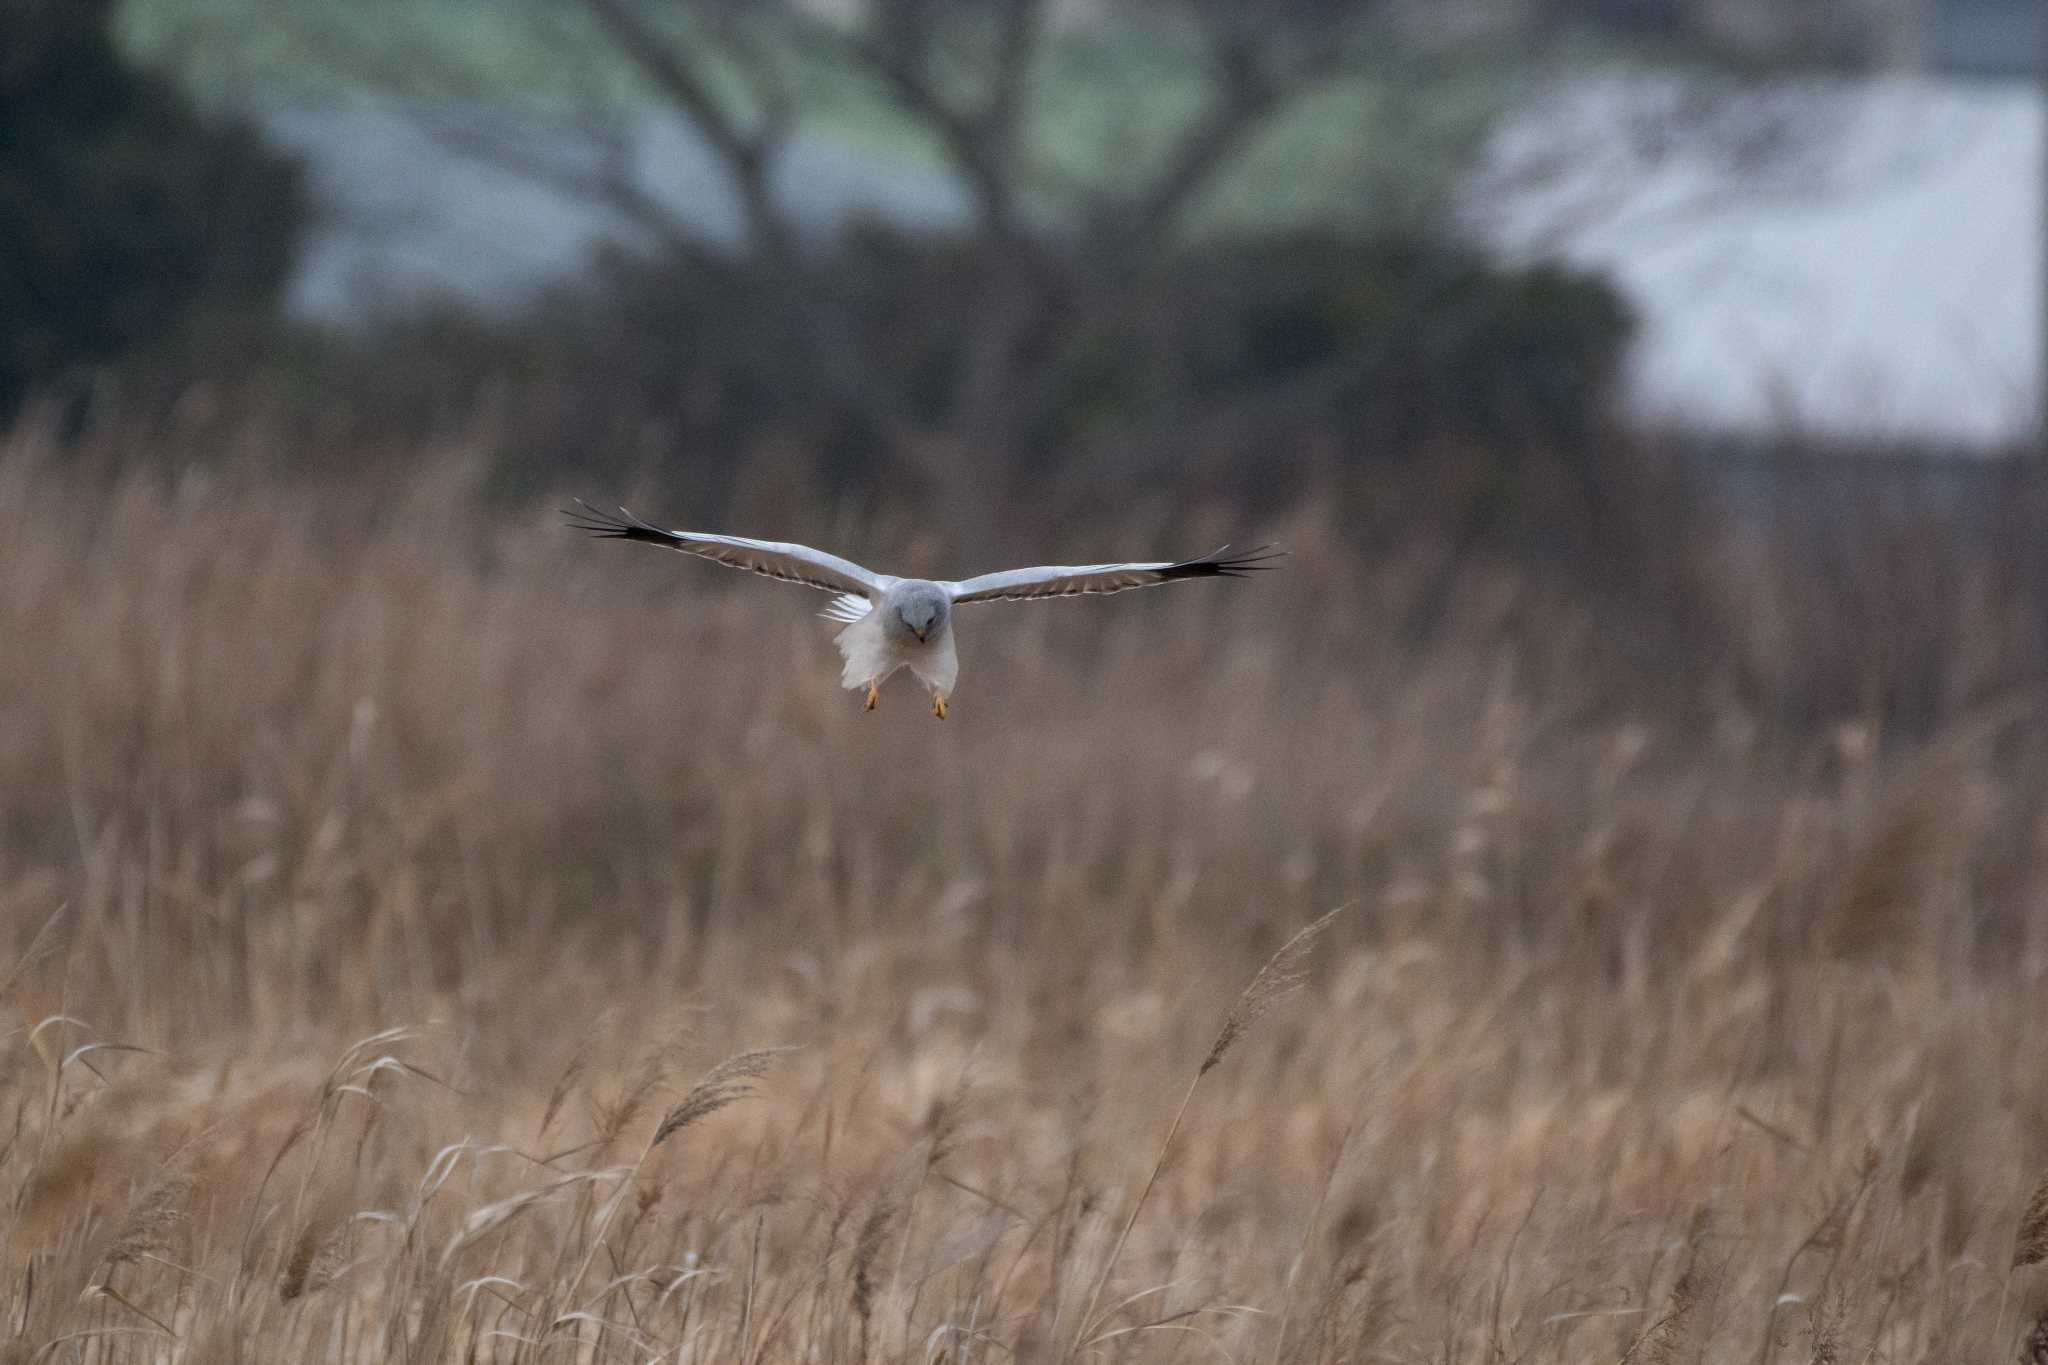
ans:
(307, 764)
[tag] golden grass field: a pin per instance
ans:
(433, 937)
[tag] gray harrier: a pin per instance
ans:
(893, 623)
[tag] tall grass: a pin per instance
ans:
(401, 897)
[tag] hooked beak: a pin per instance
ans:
(918, 631)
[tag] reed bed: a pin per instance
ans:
(431, 937)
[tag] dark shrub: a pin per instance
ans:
(1214, 369)
(1399, 342)
(1420, 338)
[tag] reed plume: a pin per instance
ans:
(1283, 975)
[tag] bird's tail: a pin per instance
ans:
(865, 648)
(847, 607)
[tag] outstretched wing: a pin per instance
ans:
(1072, 580)
(790, 563)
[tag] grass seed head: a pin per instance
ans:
(147, 1229)
(1285, 973)
(727, 1083)
(40, 950)
(874, 1231)
(2030, 1244)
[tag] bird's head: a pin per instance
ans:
(921, 609)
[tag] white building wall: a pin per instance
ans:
(1858, 258)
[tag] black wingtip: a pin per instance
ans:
(620, 525)
(1258, 559)
(1220, 563)
(584, 517)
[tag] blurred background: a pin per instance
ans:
(1650, 393)
(1585, 285)
(1129, 238)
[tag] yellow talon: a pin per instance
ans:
(939, 705)
(871, 696)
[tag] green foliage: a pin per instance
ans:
(122, 212)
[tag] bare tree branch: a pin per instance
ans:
(1002, 117)
(982, 138)
(608, 178)
(1254, 82)
(983, 142)
(1033, 283)
(765, 76)
(749, 153)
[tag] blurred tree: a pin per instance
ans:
(1063, 280)
(122, 212)
(964, 73)
(1139, 282)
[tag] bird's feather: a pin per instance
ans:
(1071, 580)
(776, 559)
(847, 607)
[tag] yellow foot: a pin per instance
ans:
(871, 696)
(939, 705)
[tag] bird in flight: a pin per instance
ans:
(892, 623)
